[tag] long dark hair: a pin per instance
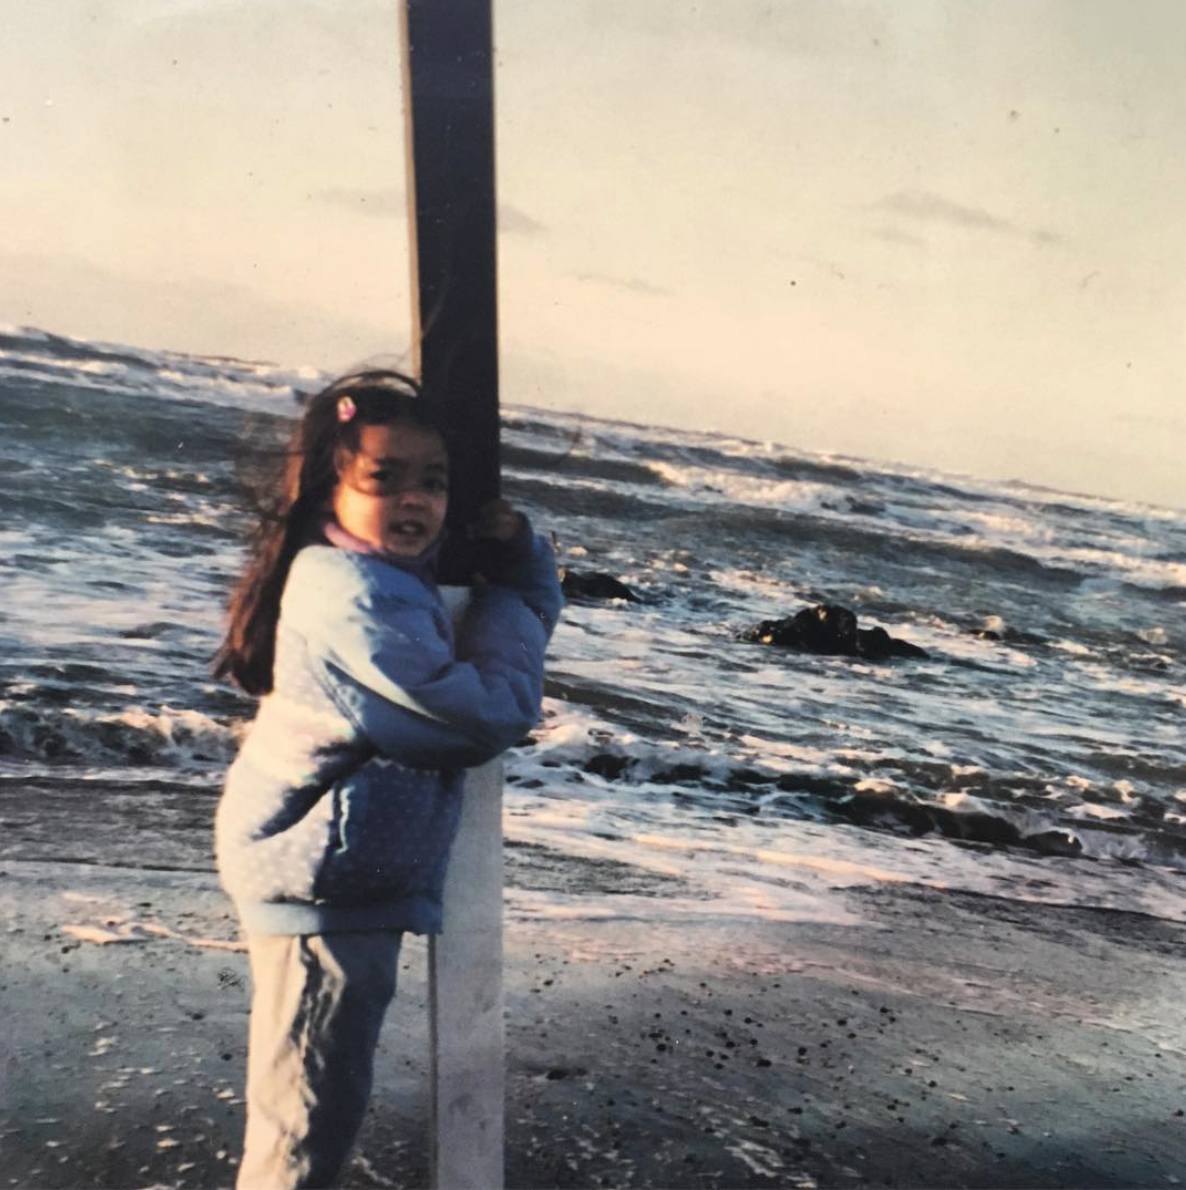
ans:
(290, 514)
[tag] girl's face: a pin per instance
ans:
(393, 492)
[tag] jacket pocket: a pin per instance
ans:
(393, 828)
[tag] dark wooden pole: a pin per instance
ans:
(449, 95)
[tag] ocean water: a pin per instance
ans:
(1038, 752)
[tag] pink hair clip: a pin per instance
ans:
(346, 409)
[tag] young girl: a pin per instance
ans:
(334, 831)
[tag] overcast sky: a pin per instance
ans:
(945, 232)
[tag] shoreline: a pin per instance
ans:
(949, 1039)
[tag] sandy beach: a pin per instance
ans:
(948, 1040)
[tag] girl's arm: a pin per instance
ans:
(394, 672)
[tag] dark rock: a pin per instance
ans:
(830, 629)
(680, 774)
(865, 507)
(594, 585)
(606, 765)
(921, 818)
(871, 809)
(1009, 636)
(875, 644)
(1054, 842)
(977, 827)
(740, 780)
(969, 827)
(813, 783)
(825, 628)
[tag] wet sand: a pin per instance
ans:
(947, 1040)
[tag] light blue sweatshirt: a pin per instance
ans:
(341, 807)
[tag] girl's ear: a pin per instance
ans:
(346, 442)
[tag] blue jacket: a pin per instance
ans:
(341, 807)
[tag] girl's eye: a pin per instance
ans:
(435, 485)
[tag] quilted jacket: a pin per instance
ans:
(341, 806)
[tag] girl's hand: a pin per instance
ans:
(502, 541)
(497, 521)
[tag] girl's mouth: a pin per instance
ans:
(407, 529)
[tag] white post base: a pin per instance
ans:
(467, 1030)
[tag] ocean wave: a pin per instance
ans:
(1046, 721)
(749, 490)
(31, 343)
(94, 366)
(914, 795)
(531, 460)
(587, 499)
(829, 793)
(135, 736)
(818, 471)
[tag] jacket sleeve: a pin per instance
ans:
(394, 669)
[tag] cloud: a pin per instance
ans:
(894, 236)
(1042, 236)
(926, 207)
(932, 208)
(391, 202)
(634, 285)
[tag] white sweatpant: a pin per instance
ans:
(317, 1005)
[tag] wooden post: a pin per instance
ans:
(448, 95)
(449, 108)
